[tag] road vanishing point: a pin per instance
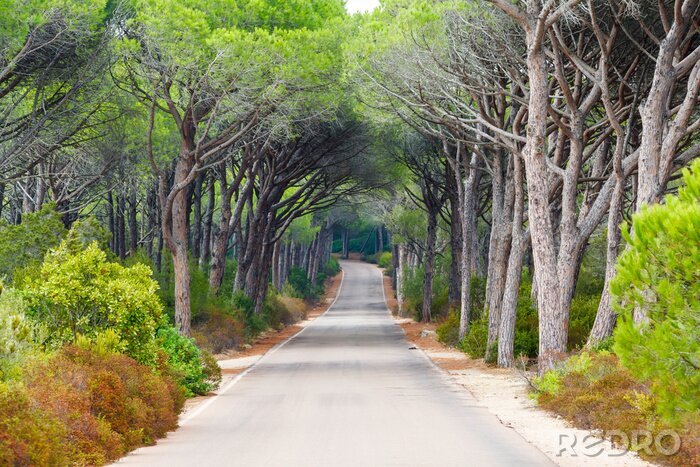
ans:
(346, 391)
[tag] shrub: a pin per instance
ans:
(217, 331)
(25, 244)
(413, 293)
(658, 275)
(192, 366)
(16, 332)
(474, 343)
(526, 338)
(275, 312)
(594, 391)
(385, 261)
(332, 267)
(80, 292)
(583, 311)
(301, 286)
(448, 330)
(84, 407)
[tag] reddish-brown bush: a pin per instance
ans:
(84, 408)
(217, 331)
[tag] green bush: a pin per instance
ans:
(386, 262)
(448, 330)
(16, 333)
(275, 312)
(25, 244)
(526, 338)
(194, 367)
(301, 285)
(474, 343)
(413, 293)
(659, 274)
(582, 315)
(331, 268)
(78, 292)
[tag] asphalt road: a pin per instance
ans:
(347, 391)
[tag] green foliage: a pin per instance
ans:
(78, 292)
(24, 245)
(413, 292)
(301, 285)
(448, 330)
(331, 268)
(658, 274)
(526, 338)
(593, 391)
(385, 261)
(16, 332)
(196, 371)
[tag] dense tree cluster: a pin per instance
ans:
(556, 120)
(206, 141)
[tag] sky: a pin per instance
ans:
(354, 6)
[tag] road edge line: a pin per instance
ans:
(201, 407)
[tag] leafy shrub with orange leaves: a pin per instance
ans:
(84, 407)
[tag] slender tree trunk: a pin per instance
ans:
(133, 225)
(499, 245)
(121, 226)
(400, 274)
(205, 248)
(276, 264)
(429, 264)
(110, 222)
(197, 217)
(519, 246)
(455, 288)
(470, 195)
(605, 317)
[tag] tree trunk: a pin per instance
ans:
(519, 245)
(205, 248)
(197, 217)
(454, 293)
(429, 264)
(552, 323)
(605, 317)
(133, 225)
(121, 226)
(470, 195)
(110, 222)
(499, 245)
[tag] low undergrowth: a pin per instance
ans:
(593, 390)
(84, 406)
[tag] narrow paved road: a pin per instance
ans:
(347, 391)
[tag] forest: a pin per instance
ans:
(178, 177)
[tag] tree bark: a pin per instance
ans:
(519, 245)
(429, 265)
(121, 226)
(133, 225)
(499, 245)
(205, 248)
(197, 217)
(470, 195)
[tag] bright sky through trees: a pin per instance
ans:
(355, 6)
